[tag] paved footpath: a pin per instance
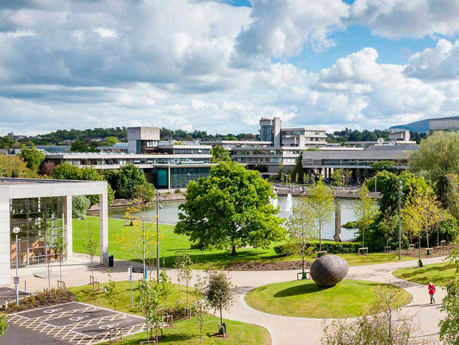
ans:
(283, 330)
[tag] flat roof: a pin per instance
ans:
(99, 155)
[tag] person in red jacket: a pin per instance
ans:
(431, 289)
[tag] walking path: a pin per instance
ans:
(284, 330)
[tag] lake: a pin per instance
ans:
(169, 215)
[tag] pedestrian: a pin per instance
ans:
(431, 289)
(125, 223)
(132, 223)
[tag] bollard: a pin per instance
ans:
(25, 285)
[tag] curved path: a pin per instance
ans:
(284, 330)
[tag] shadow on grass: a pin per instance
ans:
(300, 290)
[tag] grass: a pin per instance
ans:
(439, 274)
(172, 243)
(86, 294)
(349, 298)
(183, 332)
(187, 332)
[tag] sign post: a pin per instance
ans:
(16, 279)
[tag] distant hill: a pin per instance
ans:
(418, 126)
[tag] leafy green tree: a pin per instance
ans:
(67, 171)
(14, 166)
(337, 177)
(60, 249)
(113, 296)
(4, 326)
(230, 209)
(90, 246)
(144, 192)
(200, 307)
(298, 170)
(186, 272)
(219, 154)
(322, 206)
(448, 193)
(80, 146)
(166, 286)
(280, 172)
(148, 302)
(300, 227)
(80, 204)
(110, 141)
(32, 157)
(383, 165)
(130, 176)
(449, 326)
(219, 292)
(365, 211)
(112, 176)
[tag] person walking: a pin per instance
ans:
(431, 289)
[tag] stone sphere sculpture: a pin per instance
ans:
(329, 270)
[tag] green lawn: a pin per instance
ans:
(217, 259)
(187, 332)
(349, 298)
(439, 274)
(86, 294)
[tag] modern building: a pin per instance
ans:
(143, 139)
(42, 210)
(229, 144)
(445, 124)
(396, 137)
(358, 160)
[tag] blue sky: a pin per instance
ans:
(204, 65)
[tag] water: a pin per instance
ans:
(169, 215)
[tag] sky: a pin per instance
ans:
(219, 66)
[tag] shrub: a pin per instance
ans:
(178, 191)
(43, 298)
(80, 205)
(330, 247)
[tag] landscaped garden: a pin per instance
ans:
(218, 259)
(439, 274)
(349, 298)
(185, 331)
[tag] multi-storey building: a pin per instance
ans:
(445, 124)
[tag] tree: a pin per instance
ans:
(300, 227)
(166, 286)
(14, 166)
(365, 211)
(113, 296)
(148, 302)
(200, 307)
(129, 177)
(298, 170)
(280, 172)
(218, 292)
(230, 209)
(80, 146)
(80, 204)
(447, 190)
(66, 171)
(144, 192)
(60, 249)
(337, 177)
(90, 245)
(47, 168)
(322, 206)
(4, 326)
(139, 239)
(449, 326)
(383, 165)
(186, 273)
(219, 154)
(110, 141)
(32, 157)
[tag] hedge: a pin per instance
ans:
(288, 249)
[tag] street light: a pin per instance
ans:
(400, 220)
(16, 279)
(376, 184)
(158, 207)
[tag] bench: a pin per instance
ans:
(411, 247)
(60, 284)
(321, 253)
(442, 243)
(387, 249)
(363, 251)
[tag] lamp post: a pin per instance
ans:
(344, 181)
(400, 220)
(376, 184)
(16, 278)
(158, 207)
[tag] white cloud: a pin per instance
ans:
(407, 18)
(441, 62)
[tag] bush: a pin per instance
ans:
(43, 298)
(331, 248)
(80, 205)
(178, 191)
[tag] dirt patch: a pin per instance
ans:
(267, 266)
(436, 252)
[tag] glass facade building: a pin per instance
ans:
(41, 223)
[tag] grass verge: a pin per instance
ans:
(439, 274)
(349, 298)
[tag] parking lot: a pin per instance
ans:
(75, 323)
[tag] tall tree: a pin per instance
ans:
(219, 292)
(230, 209)
(300, 227)
(337, 177)
(199, 308)
(113, 297)
(148, 302)
(322, 206)
(449, 326)
(32, 157)
(90, 245)
(365, 211)
(298, 170)
(129, 177)
(219, 154)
